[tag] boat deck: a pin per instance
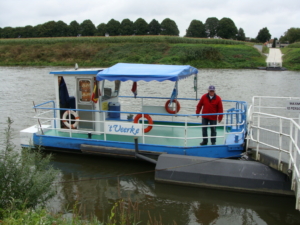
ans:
(159, 135)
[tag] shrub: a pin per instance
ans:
(26, 177)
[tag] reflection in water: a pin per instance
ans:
(185, 205)
(205, 213)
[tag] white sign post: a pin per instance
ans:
(131, 129)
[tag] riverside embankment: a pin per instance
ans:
(106, 51)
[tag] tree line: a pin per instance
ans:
(213, 27)
(224, 28)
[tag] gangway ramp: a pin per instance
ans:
(274, 58)
(274, 137)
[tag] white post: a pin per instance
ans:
(185, 132)
(280, 144)
(143, 119)
(257, 139)
(104, 123)
(291, 146)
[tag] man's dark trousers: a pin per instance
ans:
(213, 130)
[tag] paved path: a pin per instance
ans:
(259, 47)
(274, 58)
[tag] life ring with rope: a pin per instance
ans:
(172, 111)
(66, 120)
(148, 117)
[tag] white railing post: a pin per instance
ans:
(185, 132)
(291, 145)
(70, 128)
(257, 139)
(280, 144)
(295, 150)
(104, 123)
(143, 124)
(224, 129)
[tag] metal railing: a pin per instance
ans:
(276, 135)
(235, 122)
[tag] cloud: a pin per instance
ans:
(277, 16)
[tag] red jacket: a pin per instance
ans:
(208, 105)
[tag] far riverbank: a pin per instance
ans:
(107, 51)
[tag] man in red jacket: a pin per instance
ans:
(210, 103)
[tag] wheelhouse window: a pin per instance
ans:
(85, 90)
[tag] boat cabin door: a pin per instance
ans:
(84, 89)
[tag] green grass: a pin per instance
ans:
(265, 49)
(229, 56)
(291, 58)
(107, 51)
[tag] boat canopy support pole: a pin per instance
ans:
(137, 155)
(196, 84)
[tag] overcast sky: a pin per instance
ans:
(251, 15)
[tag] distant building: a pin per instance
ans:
(278, 44)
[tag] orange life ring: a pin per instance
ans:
(66, 121)
(172, 111)
(150, 121)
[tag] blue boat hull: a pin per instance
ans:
(75, 144)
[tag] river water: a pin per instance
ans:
(82, 176)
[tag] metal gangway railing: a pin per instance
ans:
(274, 132)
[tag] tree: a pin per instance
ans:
(126, 27)
(241, 35)
(113, 27)
(87, 28)
(211, 26)
(18, 32)
(227, 29)
(274, 43)
(62, 29)
(291, 35)
(47, 29)
(28, 31)
(169, 27)
(196, 29)
(36, 30)
(101, 29)
(74, 28)
(7, 32)
(263, 35)
(154, 27)
(140, 27)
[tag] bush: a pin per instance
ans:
(26, 177)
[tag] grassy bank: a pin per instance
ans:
(291, 58)
(104, 52)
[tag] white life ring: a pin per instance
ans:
(66, 121)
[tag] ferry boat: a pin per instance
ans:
(162, 130)
(92, 121)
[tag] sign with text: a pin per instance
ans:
(293, 105)
(119, 128)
